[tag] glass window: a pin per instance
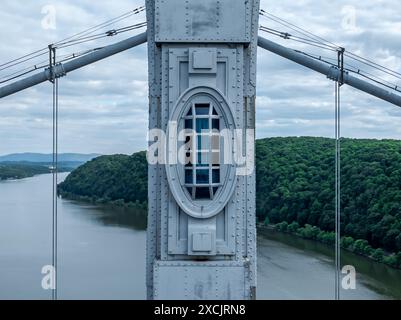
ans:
(188, 124)
(189, 177)
(216, 175)
(216, 124)
(202, 109)
(203, 142)
(215, 142)
(202, 125)
(202, 175)
(202, 193)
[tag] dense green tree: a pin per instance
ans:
(293, 227)
(378, 255)
(117, 177)
(347, 242)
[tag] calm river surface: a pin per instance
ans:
(102, 254)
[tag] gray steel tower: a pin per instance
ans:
(202, 80)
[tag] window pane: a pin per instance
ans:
(216, 124)
(216, 175)
(215, 158)
(202, 109)
(214, 112)
(202, 124)
(203, 142)
(189, 112)
(189, 178)
(202, 193)
(202, 176)
(189, 189)
(203, 159)
(188, 124)
(216, 142)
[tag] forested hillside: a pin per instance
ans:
(20, 171)
(110, 178)
(295, 182)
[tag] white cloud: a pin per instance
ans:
(103, 107)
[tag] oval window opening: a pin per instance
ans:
(202, 140)
(201, 181)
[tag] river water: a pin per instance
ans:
(102, 254)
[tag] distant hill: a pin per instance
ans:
(47, 158)
(24, 165)
(21, 170)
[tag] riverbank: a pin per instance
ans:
(23, 170)
(359, 246)
(102, 201)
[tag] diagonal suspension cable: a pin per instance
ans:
(323, 42)
(109, 33)
(353, 69)
(104, 24)
(44, 51)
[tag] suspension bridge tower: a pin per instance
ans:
(202, 79)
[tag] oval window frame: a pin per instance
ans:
(200, 208)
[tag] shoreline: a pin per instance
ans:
(274, 227)
(102, 202)
(33, 175)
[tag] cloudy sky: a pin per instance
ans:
(103, 107)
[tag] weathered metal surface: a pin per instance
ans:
(202, 249)
(199, 280)
(203, 21)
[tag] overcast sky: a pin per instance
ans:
(103, 107)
